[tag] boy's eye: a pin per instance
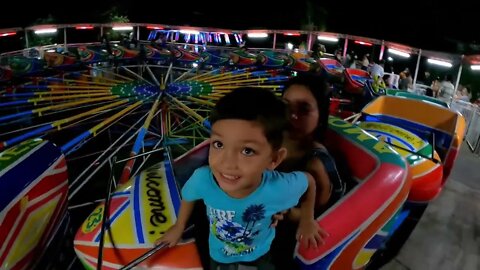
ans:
(248, 151)
(217, 144)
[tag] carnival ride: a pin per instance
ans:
(332, 69)
(60, 111)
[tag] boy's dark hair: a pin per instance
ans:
(319, 89)
(254, 104)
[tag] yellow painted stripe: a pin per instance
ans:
(63, 92)
(201, 101)
(187, 109)
(363, 258)
(71, 104)
(55, 86)
(214, 97)
(209, 76)
(151, 113)
(114, 117)
(93, 111)
(35, 100)
(89, 82)
(226, 77)
(106, 79)
(240, 81)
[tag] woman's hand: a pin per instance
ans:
(310, 234)
(277, 217)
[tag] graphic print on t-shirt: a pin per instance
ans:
(237, 238)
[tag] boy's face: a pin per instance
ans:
(239, 153)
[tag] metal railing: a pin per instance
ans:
(471, 112)
(473, 133)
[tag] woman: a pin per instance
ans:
(308, 99)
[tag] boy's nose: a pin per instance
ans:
(229, 160)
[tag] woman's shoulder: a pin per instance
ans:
(318, 147)
(319, 156)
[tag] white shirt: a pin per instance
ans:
(447, 90)
(377, 70)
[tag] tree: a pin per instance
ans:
(115, 15)
(253, 214)
(315, 17)
(41, 40)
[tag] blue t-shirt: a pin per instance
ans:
(240, 228)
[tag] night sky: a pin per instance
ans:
(425, 24)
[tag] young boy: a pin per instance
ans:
(240, 188)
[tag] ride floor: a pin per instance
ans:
(448, 235)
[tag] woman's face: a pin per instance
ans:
(304, 113)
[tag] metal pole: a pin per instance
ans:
(105, 217)
(65, 39)
(309, 42)
(416, 68)
(26, 39)
(152, 251)
(138, 33)
(459, 73)
(101, 31)
(274, 40)
(382, 49)
(345, 47)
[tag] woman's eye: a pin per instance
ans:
(248, 151)
(304, 108)
(217, 144)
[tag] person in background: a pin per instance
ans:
(435, 86)
(317, 51)
(338, 56)
(377, 72)
(106, 44)
(462, 94)
(161, 41)
(406, 81)
(365, 62)
(447, 89)
(428, 80)
(133, 42)
(353, 63)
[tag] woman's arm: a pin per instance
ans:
(309, 232)
(322, 183)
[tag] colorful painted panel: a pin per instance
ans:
(140, 212)
(33, 198)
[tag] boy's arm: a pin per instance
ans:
(309, 233)
(173, 235)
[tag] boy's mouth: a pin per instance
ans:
(230, 177)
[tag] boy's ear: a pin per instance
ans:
(277, 157)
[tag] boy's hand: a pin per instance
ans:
(310, 234)
(171, 236)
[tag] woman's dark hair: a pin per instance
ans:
(319, 89)
(254, 104)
